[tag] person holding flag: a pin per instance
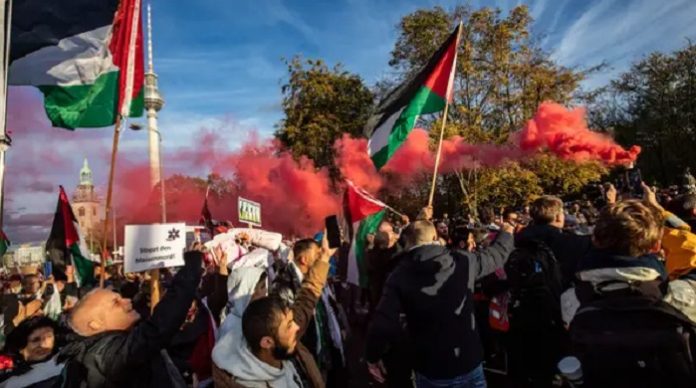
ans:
(65, 247)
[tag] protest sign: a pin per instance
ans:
(154, 246)
(249, 212)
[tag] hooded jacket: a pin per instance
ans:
(240, 284)
(127, 358)
(236, 366)
(433, 288)
(645, 275)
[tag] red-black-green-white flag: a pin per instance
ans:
(4, 243)
(86, 57)
(363, 214)
(65, 245)
(425, 92)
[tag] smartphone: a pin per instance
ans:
(635, 181)
(333, 233)
(48, 269)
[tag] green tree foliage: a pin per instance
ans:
(563, 177)
(511, 185)
(654, 105)
(320, 104)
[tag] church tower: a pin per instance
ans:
(85, 202)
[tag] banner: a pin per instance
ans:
(154, 246)
(249, 212)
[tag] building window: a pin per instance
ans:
(94, 211)
(81, 212)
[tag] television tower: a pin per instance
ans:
(153, 103)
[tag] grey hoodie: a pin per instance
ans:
(251, 372)
(231, 352)
(240, 287)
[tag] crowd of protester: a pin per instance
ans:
(595, 292)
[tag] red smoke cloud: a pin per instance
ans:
(553, 128)
(564, 132)
(295, 196)
(355, 164)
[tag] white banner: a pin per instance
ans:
(154, 246)
(249, 212)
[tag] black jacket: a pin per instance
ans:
(380, 263)
(433, 288)
(568, 248)
(127, 358)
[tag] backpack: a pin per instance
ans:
(534, 280)
(634, 341)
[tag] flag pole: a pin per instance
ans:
(394, 211)
(444, 121)
(124, 109)
(109, 195)
(5, 140)
(437, 156)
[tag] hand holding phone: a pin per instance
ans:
(333, 232)
(48, 269)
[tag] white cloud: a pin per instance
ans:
(537, 9)
(279, 12)
(618, 32)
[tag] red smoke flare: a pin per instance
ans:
(564, 132)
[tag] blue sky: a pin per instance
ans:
(219, 66)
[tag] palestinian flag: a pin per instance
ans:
(4, 243)
(425, 92)
(363, 213)
(206, 218)
(66, 247)
(86, 57)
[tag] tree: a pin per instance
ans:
(508, 186)
(320, 104)
(654, 105)
(564, 177)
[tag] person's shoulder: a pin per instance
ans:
(570, 237)
(399, 273)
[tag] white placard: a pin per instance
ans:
(249, 212)
(154, 246)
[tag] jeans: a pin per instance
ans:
(473, 379)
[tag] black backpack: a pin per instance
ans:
(634, 341)
(534, 280)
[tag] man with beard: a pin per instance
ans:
(270, 354)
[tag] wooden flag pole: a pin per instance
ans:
(124, 109)
(444, 122)
(437, 157)
(109, 195)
